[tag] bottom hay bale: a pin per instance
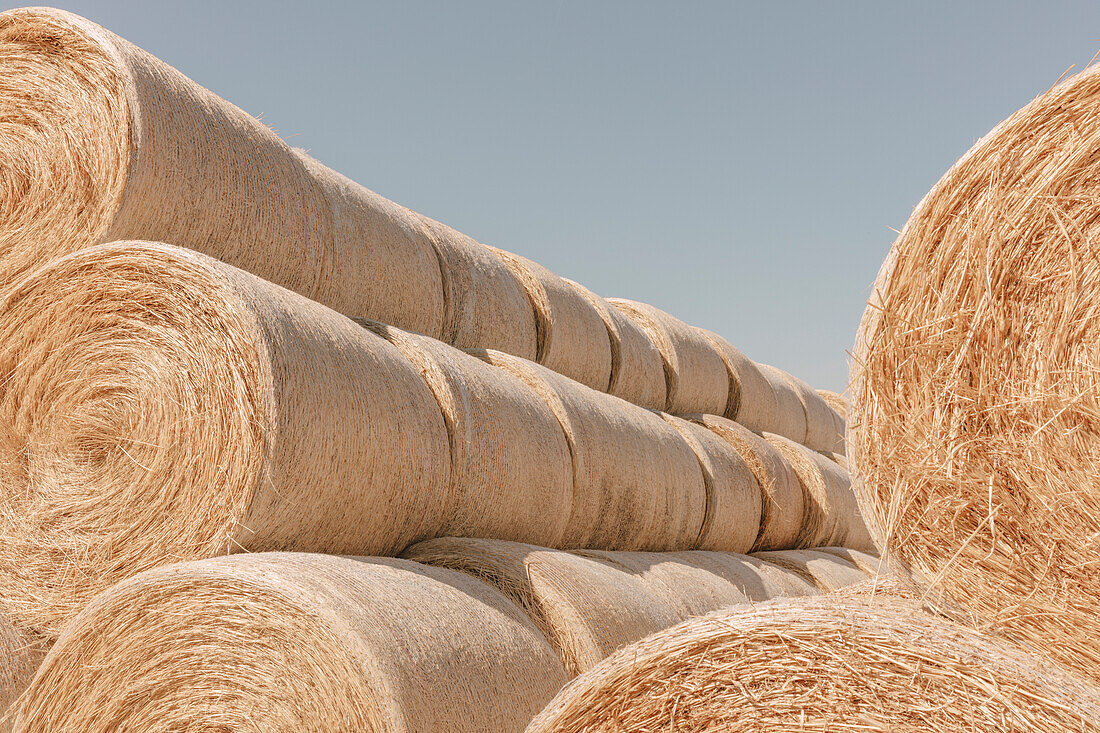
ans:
(829, 664)
(295, 642)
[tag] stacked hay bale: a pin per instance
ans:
(589, 603)
(288, 641)
(109, 143)
(221, 413)
(975, 413)
(822, 664)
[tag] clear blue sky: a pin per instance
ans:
(737, 164)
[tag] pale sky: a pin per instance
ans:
(737, 164)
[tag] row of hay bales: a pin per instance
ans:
(463, 635)
(109, 143)
(160, 405)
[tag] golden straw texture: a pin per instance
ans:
(637, 485)
(159, 405)
(589, 603)
(836, 401)
(20, 655)
(974, 429)
(829, 665)
(295, 642)
(782, 506)
(695, 375)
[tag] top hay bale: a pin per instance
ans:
(822, 665)
(974, 428)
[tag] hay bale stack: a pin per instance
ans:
(695, 375)
(752, 401)
(836, 401)
(637, 485)
(511, 472)
(734, 499)
(831, 515)
(20, 655)
(790, 415)
(160, 405)
(782, 506)
(637, 372)
(285, 641)
(827, 571)
(975, 418)
(572, 337)
(589, 603)
(826, 664)
(824, 425)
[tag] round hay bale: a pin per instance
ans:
(572, 338)
(822, 664)
(695, 374)
(586, 607)
(751, 400)
(824, 426)
(637, 372)
(511, 470)
(20, 654)
(734, 498)
(284, 641)
(756, 579)
(974, 428)
(836, 401)
(827, 571)
(781, 492)
(790, 415)
(637, 485)
(867, 562)
(158, 405)
(831, 516)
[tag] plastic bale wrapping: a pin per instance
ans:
(695, 375)
(637, 371)
(827, 571)
(825, 664)
(20, 655)
(782, 506)
(824, 426)
(831, 515)
(752, 401)
(285, 641)
(511, 471)
(158, 405)
(790, 416)
(590, 603)
(733, 497)
(637, 485)
(974, 429)
(572, 337)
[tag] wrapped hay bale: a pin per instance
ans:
(974, 429)
(751, 400)
(637, 485)
(822, 664)
(733, 496)
(827, 571)
(836, 401)
(824, 426)
(511, 472)
(160, 405)
(20, 654)
(695, 375)
(782, 501)
(637, 372)
(831, 516)
(589, 603)
(867, 562)
(790, 415)
(758, 579)
(572, 337)
(109, 143)
(289, 642)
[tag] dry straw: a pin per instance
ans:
(637, 484)
(695, 374)
(291, 642)
(828, 664)
(20, 655)
(590, 603)
(975, 420)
